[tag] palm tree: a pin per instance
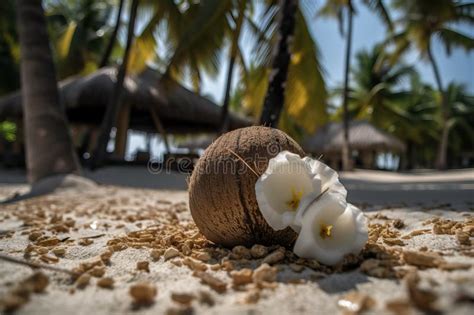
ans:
(374, 94)
(113, 36)
(336, 8)
(304, 106)
(196, 37)
(233, 53)
(417, 125)
(461, 120)
(275, 97)
(114, 106)
(196, 45)
(422, 21)
(48, 143)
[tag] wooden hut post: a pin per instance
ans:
(159, 127)
(123, 121)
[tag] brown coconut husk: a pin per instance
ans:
(222, 187)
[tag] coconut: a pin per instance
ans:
(222, 187)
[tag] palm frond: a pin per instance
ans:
(65, 40)
(399, 74)
(334, 9)
(141, 52)
(379, 8)
(452, 38)
(201, 38)
(305, 94)
(402, 45)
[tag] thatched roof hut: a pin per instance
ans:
(363, 136)
(85, 99)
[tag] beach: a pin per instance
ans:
(85, 220)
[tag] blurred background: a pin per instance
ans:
(361, 84)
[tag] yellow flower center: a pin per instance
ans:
(325, 231)
(294, 202)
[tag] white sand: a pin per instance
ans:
(318, 296)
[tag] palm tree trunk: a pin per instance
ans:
(49, 149)
(443, 144)
(346, 163)
(233, 55)
(225, 105)
(114, 105)
(275, 98)
(108, 51)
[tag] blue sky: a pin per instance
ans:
(368, 31)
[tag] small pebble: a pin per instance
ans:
(83, 281)
(242, 276)
(194, 264)
(59, 251)
(97, 271)
(34, 235)
(143, 265)
(258, 251)
(182, 298)
(215, 283)
(241, 252)
(171, 253)
(203, 256)
(143, 293)
(106, 283)
(85, 242)
(264, 273)
(274, 257)
(155, 254)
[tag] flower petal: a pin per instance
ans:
(362, 233)
(329, 177)
(308, 243)
(331, 229)
(287, 175)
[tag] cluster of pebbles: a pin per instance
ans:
(51, 226)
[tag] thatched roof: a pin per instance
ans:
(362, 136)
(85, 99)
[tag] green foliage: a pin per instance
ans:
(461, 122)
(373, 94)
(305, 93)
(186, 38)
(422, 20)
(8, 130)
(79, 31)
(192, 33)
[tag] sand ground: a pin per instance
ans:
(111, 212)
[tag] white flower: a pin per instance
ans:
(331, 228)
(288, 181)
(330, 185)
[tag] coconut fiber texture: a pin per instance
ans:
(222, 188)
